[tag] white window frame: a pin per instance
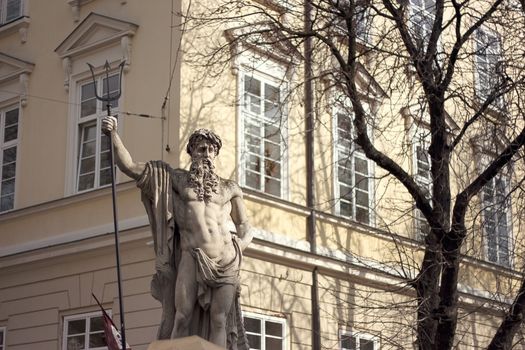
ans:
(507, 207)
(7, 145)
(3, 12)
(492, 51)
(345, 109)
(95, 118)
(358, 336)
(3, 342)
(86, 317)
(263, 335)
(421, 139)
(362, 20)
(265, 73)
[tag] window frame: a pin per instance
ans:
(3, 12)
(275, 78)
(83, 316)
(3, 342)
(344, 109)
(507, 207)
(81, 122)
(492, 67)
(421, 138)
(363, 21)
(15, 143)
(263, 318)
(358, 335)
(423, 13)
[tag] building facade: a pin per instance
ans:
(328, 273)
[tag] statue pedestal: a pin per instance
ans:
(187, 343)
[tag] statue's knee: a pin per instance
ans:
(182, 318)
(218, 320)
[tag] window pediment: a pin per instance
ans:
(93, 32)
(16, 72)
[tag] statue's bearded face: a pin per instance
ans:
(202, 176)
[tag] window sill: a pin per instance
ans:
(19, 25)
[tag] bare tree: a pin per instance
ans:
(458, 63)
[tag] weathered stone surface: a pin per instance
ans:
(187, 343)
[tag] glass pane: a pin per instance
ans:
(272, 150)
(89, 132)
(87, 165)
(75, 343)
(7, 202)
(11, 133)
(96, 324)
(274, 328)
(254, 341)
(8, 171)
(362, 215)
(87, 92)
(8, 187)
(361, 166)
(272, 168)
(96, 340)
(252, 325)
(76, 327)
(366, 344)
(361, 182)
(105, 144)
(104, 160)
(88, 107)
(253, 162)
(272, 133)
(272, 186)
(272, 93)
(253, 180)
(88, 149)
(348, 342)
(361, 198)
(252, 86)
(345, 208)
(9, 155)
(86, 182)
(344, 175)
(272, 111)
(274, 344)
(11, 117)
(345, 192)
(14, 10)
(105, 177)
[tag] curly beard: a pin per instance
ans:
(203, 179)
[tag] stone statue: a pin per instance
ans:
(197, 257)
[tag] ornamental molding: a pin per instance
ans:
(96, 32)
(12, 69)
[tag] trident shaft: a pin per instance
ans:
(108, 98)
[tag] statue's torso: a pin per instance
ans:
(203, 224)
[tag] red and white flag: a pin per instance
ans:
(112, 335)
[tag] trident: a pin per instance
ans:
(108, 99)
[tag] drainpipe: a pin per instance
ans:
(310, 181)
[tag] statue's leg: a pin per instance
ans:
(162, 289)
(221, 304)
(185, 295)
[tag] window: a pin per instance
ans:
(265, 332)
(362, 21)
(9, 121)
(353, 175)
(2, 338)
(84, 332)
(488, 67)
(10, 10)
(423, 178)
(93, 163)
(263, 144)
(358, 341)
(422, 14)
(496, 211)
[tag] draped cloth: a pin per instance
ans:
(156, 184)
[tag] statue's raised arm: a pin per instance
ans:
(122, 157)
